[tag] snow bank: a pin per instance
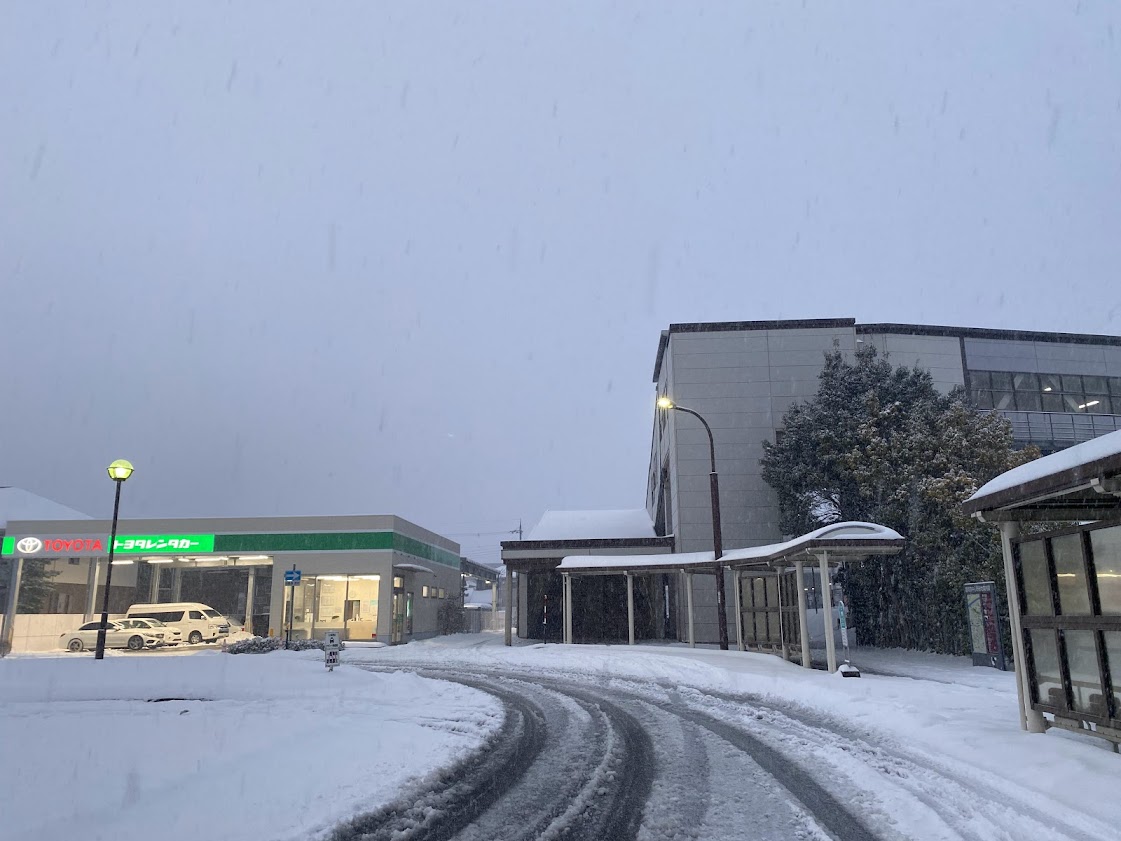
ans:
(262, 746)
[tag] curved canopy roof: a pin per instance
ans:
(843, 541)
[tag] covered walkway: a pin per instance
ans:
(774, 602)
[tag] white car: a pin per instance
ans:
(197, 622)
(116, 636)
(169, 635)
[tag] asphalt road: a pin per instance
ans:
(598, 758)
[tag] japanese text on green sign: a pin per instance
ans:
(164, 543)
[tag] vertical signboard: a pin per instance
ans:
(984, 634)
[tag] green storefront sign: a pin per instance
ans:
(51, 546)
(163, 544)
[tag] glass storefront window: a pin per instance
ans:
(1113, 658)
(1037, 583)
(344, 603)
(1070, 575)
(1085, 676)
(1106, 544)
(1048, 678)
(1002, 380)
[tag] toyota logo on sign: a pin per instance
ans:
(29, 545)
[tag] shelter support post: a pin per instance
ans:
(91, 588)
(509, 605)
(250, 585)
(737, 582)
(630, 609)
(803, 618)
(177, 585)
(494, 605)
(689, 608)
(153, 583)
(779, 578)
(827, 605)
(571, 608)
(8, 630)
(564, 607)
(1030, 720)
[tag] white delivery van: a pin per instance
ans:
(198, 622)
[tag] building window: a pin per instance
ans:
(424, 591)
(1027, 392)
(443, 593)
(74, 561)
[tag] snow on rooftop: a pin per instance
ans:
(593, 525)
(18, 504)
(1068, 459)
(871, 532)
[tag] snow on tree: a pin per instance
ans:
(881, 444)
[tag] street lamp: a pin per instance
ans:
(119, 471)
(717, 542)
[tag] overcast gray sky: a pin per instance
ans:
(414, 258)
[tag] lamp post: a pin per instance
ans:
(119, 471)
(717, 541)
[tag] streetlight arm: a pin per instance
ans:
(708, 429)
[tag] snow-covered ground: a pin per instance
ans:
(960, 719)
(273, 746)
(251, 746)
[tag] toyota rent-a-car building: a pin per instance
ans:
(373, 577)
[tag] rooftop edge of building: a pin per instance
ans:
(880, 328)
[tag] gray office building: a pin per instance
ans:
(1057, 389)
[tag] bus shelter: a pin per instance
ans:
(1060, 523)
(769, 584)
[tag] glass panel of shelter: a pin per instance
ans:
(1073, 660)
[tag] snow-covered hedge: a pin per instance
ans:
(263, 645)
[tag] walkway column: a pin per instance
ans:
(177, 585)
(737, 581)
(568, 615)
(689, 598)
(630, 609)
(1030, 720)
(509, 604)
(827, 604)
(8, 630)
(249, 586)
(91, 588)
(803, 618)
(154, 583)
(494, 605)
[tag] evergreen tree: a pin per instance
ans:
(35, 584)
(881, 444)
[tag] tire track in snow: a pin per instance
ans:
(567, 780)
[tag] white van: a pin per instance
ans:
(198, 622)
